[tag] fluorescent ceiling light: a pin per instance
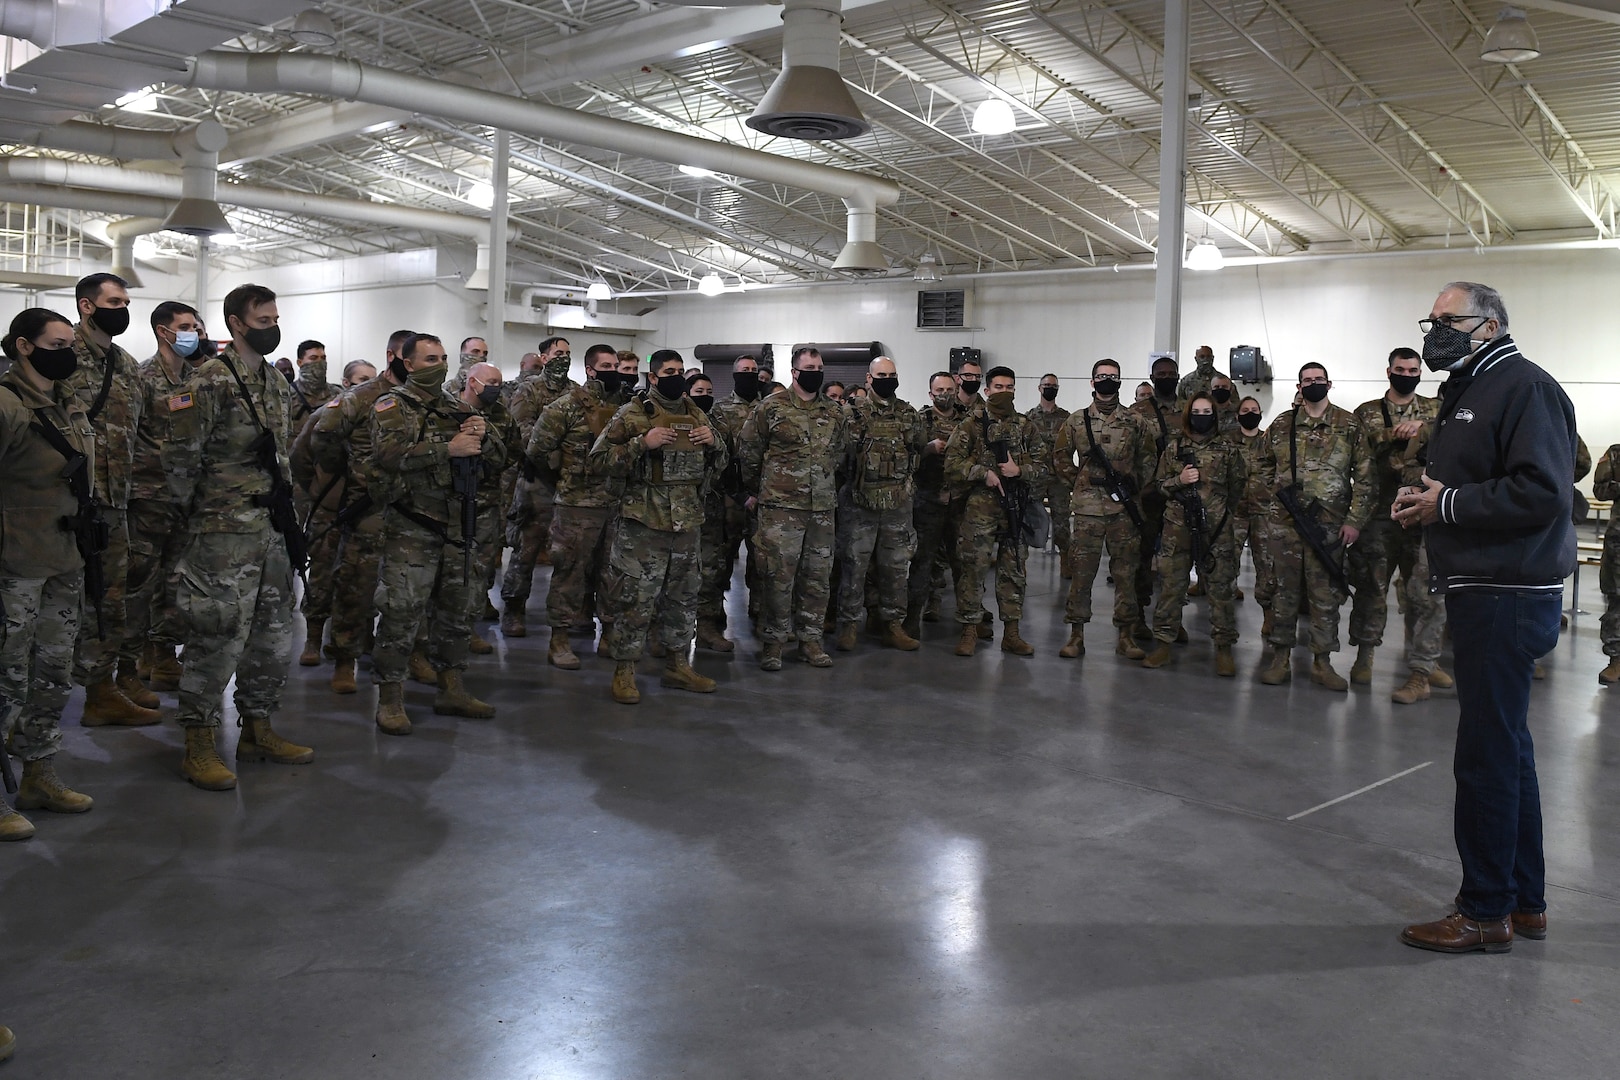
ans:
(599, 291)
(1205, 256)
(141, 101)
(480, 195)
(927, 272)
(711, 285)
(314, 27)
(696, 170)
(994, 117)
(1512, 40)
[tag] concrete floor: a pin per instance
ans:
(906, 866)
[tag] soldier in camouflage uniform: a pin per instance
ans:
(728, 519)
(474, 351)
(1099, 520)
(481, 393)
(1202, 475)
(1048, 418)
(886, 444)
(1606, 485)
(1251, 524)
(41, 570)
(341, 443)
(661, 453)
(936, 510)
(310, 389)
(1201, 379)
(157, 516)
(1388, 423)
(528, 530)
(1160, 413)
(1223, 392)
(1323, 449)
(235, 582)
(994, 454)
(1425, 611)
(790, 450)
(419, 434)
(586, 503)
(107, 383)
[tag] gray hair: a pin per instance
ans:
(1484, 300)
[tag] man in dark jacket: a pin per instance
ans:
(1495, 505)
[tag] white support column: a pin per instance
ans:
(1172, 181)
(495, 334)
(202, 292)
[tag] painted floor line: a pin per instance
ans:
(1360, 791)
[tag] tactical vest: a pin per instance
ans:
(679, 462)
(885, 455)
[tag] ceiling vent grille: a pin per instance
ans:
(941, 309)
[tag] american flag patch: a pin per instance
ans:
(386, 403)
(180, 401)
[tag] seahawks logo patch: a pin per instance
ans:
(1465, 415)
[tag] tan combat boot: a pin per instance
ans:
(1011, 642)
(343, 676)
(559, 653)
(1281, 668)
(624, 680)
(1076, 645)
(13, 826)
(1225, 666)
(105, 705)
(1415, 690)
(679, 675)
(259, 742)
(316, 630)
(202, 765)
(129, 684)
(422, 670)
(813, 654)
(512, 625)
(42, 790)
(1611, 674)
(1265, 625)
(1361, 670)
(391, 718)
(166, 669)
(895, 637)
(846, 636)
(1441, 679)
(711, 637)
(1322, 673)
(1127, 647)
(770, 657)
(987, 628)
(1159, 657)
(453, 699)
(970, 640)
(143, 666)
(912, 625)
(477, 645)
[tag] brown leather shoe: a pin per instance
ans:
(1457, 933)
(1530, 924)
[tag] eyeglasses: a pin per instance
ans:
(1450, 322)
(1319, 381)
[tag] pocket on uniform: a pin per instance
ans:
(202, 611)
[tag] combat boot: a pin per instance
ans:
(1322, 673)
(656, 649)
(1159, 657)
(490, 613)
(1281, 668)
(311, 656)
(912, 625)
(846, 636)
(711, 637)
(624, 679)
(1265, 625)
(13, 826)
(129, 684)
(679, 675)
(1012, 643)
(559, 653)
(143, 665)
(259, 742)
(512, 624)
(1225, 666)
(1441, 679)
(478, 646)
(1611, 674)
(813, 654)
(391, 718)
(1361, 670)
(1539, 671)
(202, 765)
(1415, 690)
(970, 640)
(166, 669)
(343, 676)
(770, 657)
(106, 706)
(42, 790)
(895, 637)
(987, 627)
(453, 699)
(1127, 646)
(423, 671)
(1076, 645)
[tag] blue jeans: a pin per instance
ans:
(1498, 636)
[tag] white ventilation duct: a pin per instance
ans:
(479, 278)
(28, 20)
(78, 137)
(123, 233)
(198, 213)
(809, 100)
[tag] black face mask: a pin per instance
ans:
(1049, 393)
(1165, 386)
(1248, 421)
(55, 364)
(1315, 392)
(809, 381)
(746, 384)
(263, 340)
(396, 368)
(703, 401)
(1221, 395)
(1201, 423)
(885, 386)
(1404, 384)
(609, 381)
(489, 395)
(671, 387)
(1443, 346)
(1105, 388)
(111, 321)
(970, 387)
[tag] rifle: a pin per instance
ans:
(91, 532)
(1306, 523)
(1013, 495)
(279, 501)
(464, 473)
(345, 519)
(1120, 489)
(1196, 517)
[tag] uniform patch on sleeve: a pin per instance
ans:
(335, 402)
(181, 401)
(385, 404)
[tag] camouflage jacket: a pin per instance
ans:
(531, 393)
(1335, 467)
(1256, 496)
(308, 396)
(1162, 420)
(1048, 424)
(937, 425)
(491, 477)
(34, 496)
(728, 416)
(1124, 440)
(664, 488)
(886, 440)
(169, 421)
(411, 429)
(229, 479)
(1196, 381)
(120, 415)
(1222, 477)
(790, 450)
(1606, 484)
(341, 441)
(971, 453)
(1378, 419)
(564, 433)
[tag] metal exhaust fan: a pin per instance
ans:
(809, 100)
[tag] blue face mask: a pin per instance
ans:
(185, 342)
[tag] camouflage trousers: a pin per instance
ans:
(1303, 584)
(651, 577)
(486, 556)
(233, 592)
(36, 660)
(421, 585)
(1254, 531)
(322, 566)
(883, 540)
(1089, 534)
(1382, 549)
(157, 532)
(1609, 583)
(528, 533)
(936, 525)
(795, 566)
(579, 550)
(1175, 572)
(981, 551)
(1057, 496)
(726, 525)
(95, 656)
(355, 566)
(1425, 618)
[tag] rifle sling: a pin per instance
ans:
(106, 385)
